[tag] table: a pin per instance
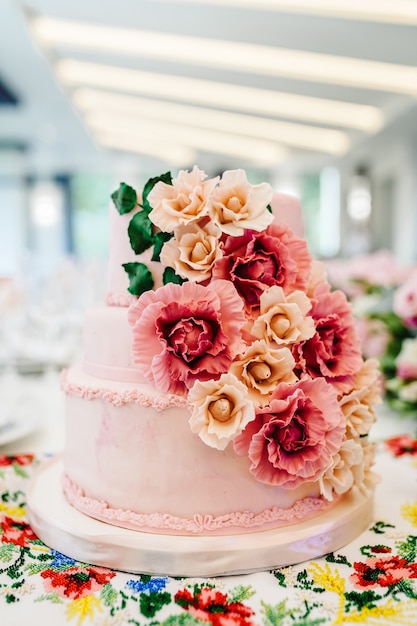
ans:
(373, 580)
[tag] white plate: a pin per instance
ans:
(22, 423)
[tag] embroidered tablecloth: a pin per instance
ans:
(373, 580)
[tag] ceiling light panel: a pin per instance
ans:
(223, 95)
(391, 11)
(242, 57)
(256, 151)
(297, 135)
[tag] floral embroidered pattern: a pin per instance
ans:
(373, 582)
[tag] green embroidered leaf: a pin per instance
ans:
(185, 619)
(19, 471)
(280, 578)
(379, 527)
(140, 232)
(159, 239)
(408, 549)
(35, 568)
(337, 558)
(169, 276)
(310, 621)
(51, 597)
(359, 599)
(240, 593)
(124, 198)
(165, 178)
(150, 603)
(108, 594)
(140, 278)
(275, 615)
(407, 588)
(8, 551)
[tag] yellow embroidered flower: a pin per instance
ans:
(83, 607)
(12, 511)
(409, 512)
(391, 613)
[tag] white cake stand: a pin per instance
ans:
(63, 528)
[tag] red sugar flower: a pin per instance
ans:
(293, 439)
(256, 261)
(382, 571)
(184, 333)
(334, 351)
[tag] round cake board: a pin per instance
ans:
(63, 528)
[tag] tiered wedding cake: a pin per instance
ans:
(223, 396)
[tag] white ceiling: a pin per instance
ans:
(56, 138)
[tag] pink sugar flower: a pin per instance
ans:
(183, 333)
(334, 352)
(256, 261)
(293, 439)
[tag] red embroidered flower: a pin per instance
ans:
(380, 549)
(20, 459)
(210, 605)
(382, 571)
(19, 533)
(402, 444)
(293, 439)
(76, 582)
(255, 261)
(334, 351)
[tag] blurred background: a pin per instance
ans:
(317, 97)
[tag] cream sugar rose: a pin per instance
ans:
(223, 390)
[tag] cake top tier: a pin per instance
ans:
(228, 309)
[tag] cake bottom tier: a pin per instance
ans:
(80, 537)
(131, 460)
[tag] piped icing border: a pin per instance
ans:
(243, 520)
(119, 299)
(120, 398)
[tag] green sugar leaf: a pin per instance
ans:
(169, 276)
(140, 278)
(124, 198)
(165, 178)
(159, 239)
(140, 232)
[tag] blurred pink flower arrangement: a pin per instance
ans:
(248, 330)
(383, 295)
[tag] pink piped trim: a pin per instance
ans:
(119, 299)
(120, 398)
(199, 524)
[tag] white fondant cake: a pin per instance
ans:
(223, 389)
